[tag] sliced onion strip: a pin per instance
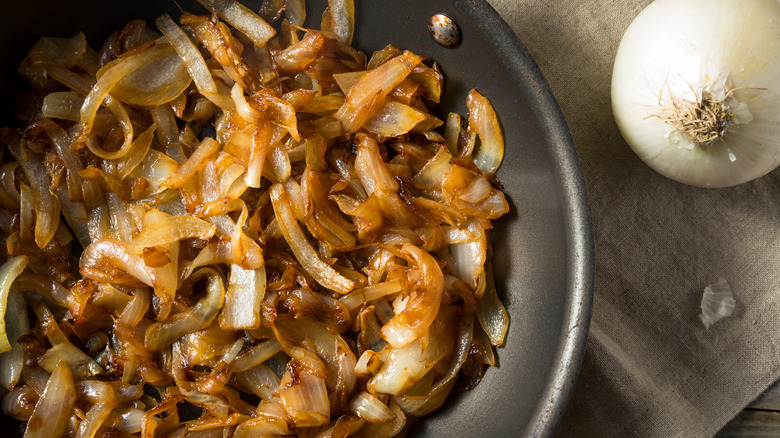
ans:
(52, 411)
(9, 271)
(483, 120)
(310, 261)
(243, 19)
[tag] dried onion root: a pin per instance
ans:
(270, 231)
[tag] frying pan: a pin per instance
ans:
(543, 253)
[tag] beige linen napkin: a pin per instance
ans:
(651, 368)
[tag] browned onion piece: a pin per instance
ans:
(161, 334)
(107, 259)
(305, 398)
(425, 289)
(296, 11)
(459, 183)
(246, 288)
(20, 402)
(296, 57)
(357, 297)
(196, 65)
(260, 380)
(360, 104)
(101, 395)
(256, 355)
(65, 105)
(217, 39)
(271, 420)
(207, 148)
(424, 404)
(369, 408)
(384, 430)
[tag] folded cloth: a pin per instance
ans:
(651, 368)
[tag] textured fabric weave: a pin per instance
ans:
(651, 369)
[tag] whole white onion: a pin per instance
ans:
(696, 89)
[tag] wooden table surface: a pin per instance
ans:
(760, 419)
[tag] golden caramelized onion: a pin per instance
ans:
(261, 226)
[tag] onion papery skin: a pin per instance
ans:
(730, 48)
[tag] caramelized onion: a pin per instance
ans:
(339, 18)
(260, 214)
(161, 334)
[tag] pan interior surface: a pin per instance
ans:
(542, 249)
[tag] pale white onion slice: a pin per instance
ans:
(8, 273)
(65, 105)
(242, 18)
(469, 257)
(491, 313)
(339, 18)
(483, 121)
(369, 408)
(256, 355)
(394, 119)
(207, 148)
(161, 334)
(53, 409)
(16, 324)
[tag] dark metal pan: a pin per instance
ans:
(543, 253)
